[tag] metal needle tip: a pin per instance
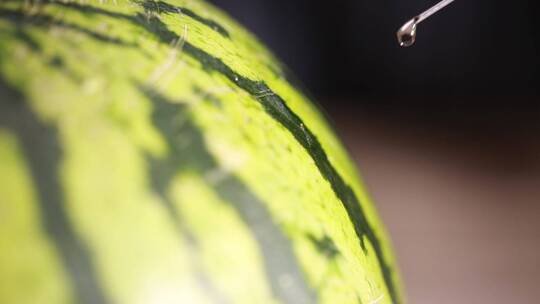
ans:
(406, 34)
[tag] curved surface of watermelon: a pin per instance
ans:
(154, 152)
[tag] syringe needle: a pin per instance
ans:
(407, 33)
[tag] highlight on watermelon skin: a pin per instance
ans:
(155, 152)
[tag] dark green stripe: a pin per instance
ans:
(42, 20)
(276, 107)
(21, 35)
(160, 7)
(43, 152)
(166, 118)
(187, 151)
(325, 245)
(157, 7)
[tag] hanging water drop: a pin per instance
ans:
(406, 34)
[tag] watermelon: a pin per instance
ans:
(156, 152)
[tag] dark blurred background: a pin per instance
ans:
(347, 48)
(446, 133)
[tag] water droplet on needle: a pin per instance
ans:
(406, 34)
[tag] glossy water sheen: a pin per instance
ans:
(406, 35)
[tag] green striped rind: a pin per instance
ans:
(153, 152)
